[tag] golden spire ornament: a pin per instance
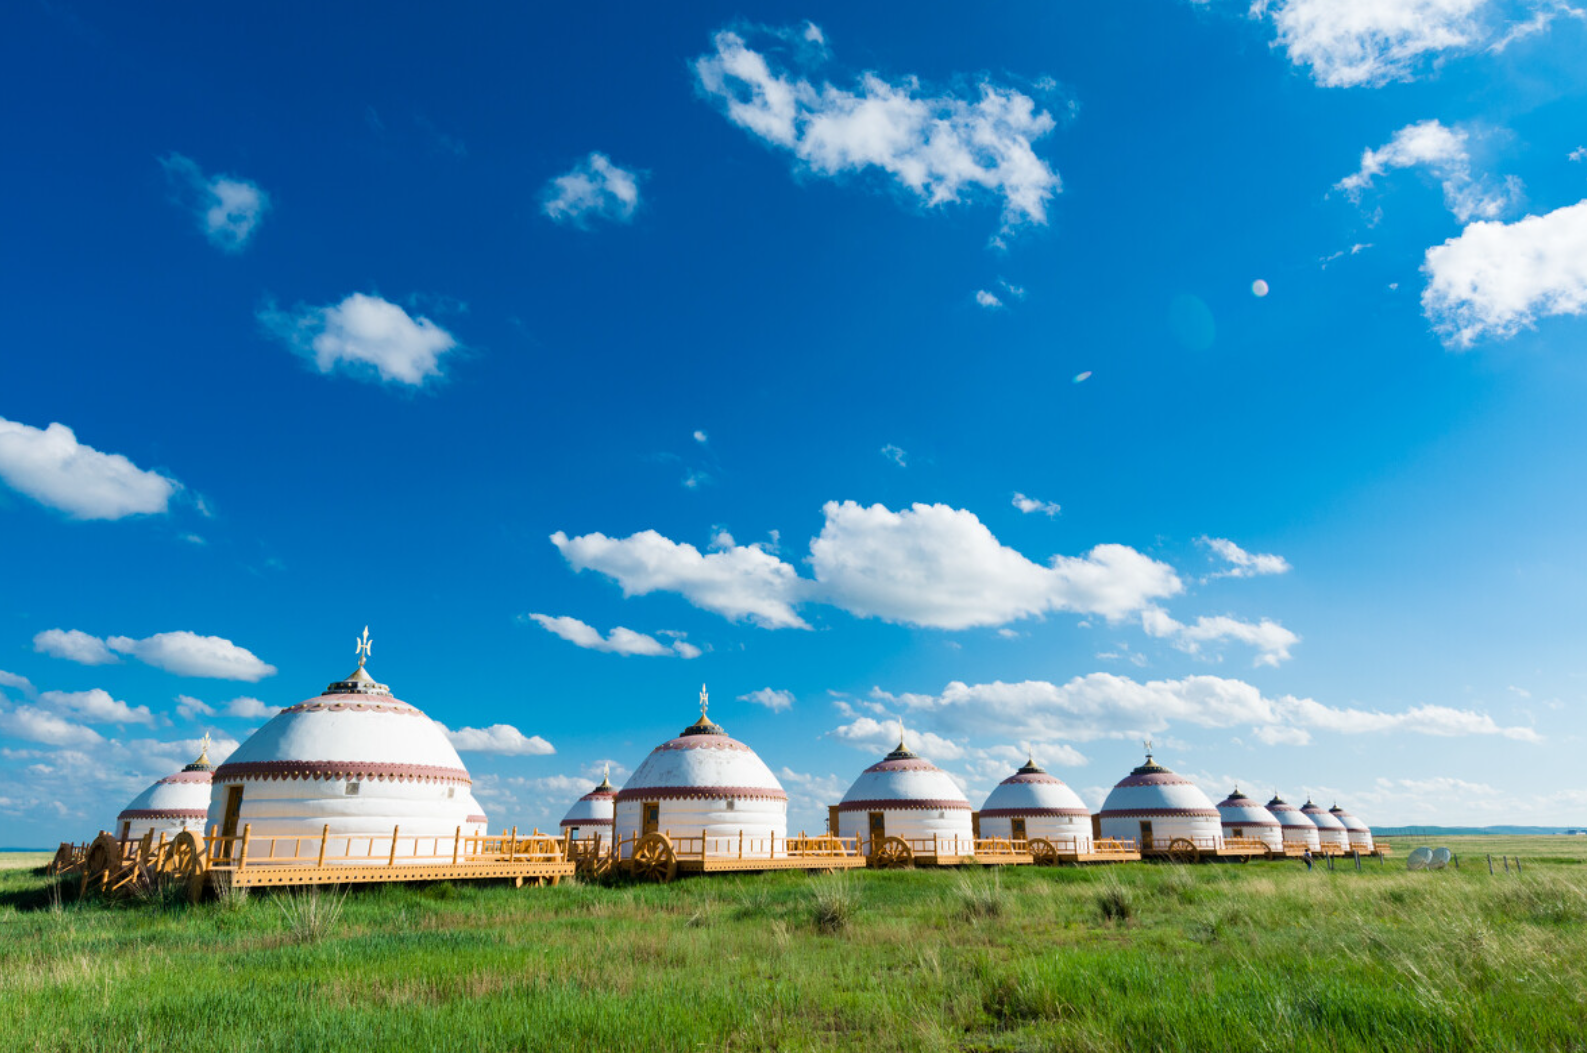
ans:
(361, 647)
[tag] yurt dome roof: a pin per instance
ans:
(1241, 810)
(1153, 790)
(355, 729)
(595, 807)
(180, 795)
(1319, 815)
(903, 779)
(1350, 822)
(1030, 791)
(703, 762)
(1287, 814)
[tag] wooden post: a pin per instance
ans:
(936, 848)
(325, 835)
(1517, 864)
(391, 860)
(1358, 861)
(512, 849)
(1506, 860)
(741, 842)
(1490, 864)
(243, 853)
(457, 843)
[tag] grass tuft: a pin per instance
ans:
(980, 895)
(835, 902)
(312, 913)
(1115, 902)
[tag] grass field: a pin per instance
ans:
(1264, 956)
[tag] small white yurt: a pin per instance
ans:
(1153, 806)
(355, 760)
(1330, 831)
(704, 784)
(906, 796)
(1032, 804)
(1293, 825)
(1242, 816)
(1360, 833)
(178, 802)
(592, 814)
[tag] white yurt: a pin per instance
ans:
(1242, 816)
(704, 784)
(592, 813)
(1360, 833)
(178, 802)
(1153, 806)
(1330, 831)
(355, 760)
(904, 795)
(1293, 825)
(1032, 804)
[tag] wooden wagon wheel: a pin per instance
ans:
(100, 864)
(1042, 852)
(892, 854)
(62, 861)
(654, 859)
(1183, 850)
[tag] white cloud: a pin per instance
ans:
(987, 300)
(188, 707)
(1578, 154)
(1279, 735)
(17, 681)
(228, 209)
(701, 437)
(896, 454)
(54, 469)
(877, 736)
(188, 654)
(937, 148)
(1350, 43)
(1271, 640)
(364, 335)
(96, 706)
(499, 738)
(1541, 19)
(1443, 152)
(618, 641)
(594, 189)
(1495, 279)
(776, 701)
(1104, 705)
(1030, 504)
(739, 582)
(39, 725)
(249, 708)
(929, 565)
(74, 645)
(1243, 564)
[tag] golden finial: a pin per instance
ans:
(203, 750)
(361, 647)
(901, 734)
(705, 701)
(1148, 744)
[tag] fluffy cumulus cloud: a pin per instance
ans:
(989, 300)
(502, 739)
(937, 148)
(1351, 43)
(928, 565)
(74, 645)
(1270, 639)
(249, 708)
(774, 700)
(56, 470)
(37, 724)
(228, 209)
(16, 680)
(594, 189)
(366, 336)
(95, 706)
(1494, 279)
(1030, 504)
(1103, 705)
(618, 641)
(1243, 564)
(876, 736)
(1445, 154)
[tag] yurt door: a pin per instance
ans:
(126, 830)
(1146, 833)
(228, 826)
(878, 827)
(652, 816)
(1019, 829)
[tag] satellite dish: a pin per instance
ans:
(1440, 859)
(1418, 859)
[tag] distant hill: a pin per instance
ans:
(1449, 831)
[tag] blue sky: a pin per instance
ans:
(858, 364)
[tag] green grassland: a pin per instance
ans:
(1262, 956)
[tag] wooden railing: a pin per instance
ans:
(732, 846)
(244, 850)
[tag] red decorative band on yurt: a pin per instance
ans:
(698, 793)
(384, 705)
(600, 795)
(162, 813)
(1153, 778)
(1016, 813)
(1250, 822)
(904, 764)
(288, 769)
(586, 822)
(1152, 813)
(703, 742)
(475, 819)
(896, 805)
(1032, 777)
(184, 777)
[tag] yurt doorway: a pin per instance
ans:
(1018, 826)
(878, 827)
(126, 830)
(1146, 833)
(652, 812)
(228, 823)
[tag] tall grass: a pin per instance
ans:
(835, 901)
(311, 913)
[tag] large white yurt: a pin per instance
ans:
(592, 814)
(704, 784)
(1330, 831)
(1294, 825)
(355, 760)
(1032, 804)
(178, 802)
(1242, 816)
(904, 795)
(1360, 833)
(1153, 806)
